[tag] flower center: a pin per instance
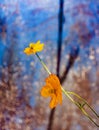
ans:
(52, 91)
(31, 47)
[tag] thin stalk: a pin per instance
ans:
(66, 93)
(44, 65)
(92, 110)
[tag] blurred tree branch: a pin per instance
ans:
(72, 58)
(60, 29)
(70, 62)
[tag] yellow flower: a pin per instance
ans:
(52, 89)
(34, 48)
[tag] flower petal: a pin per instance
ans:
(53, 102)
(59, 97)
(53, 80)
(27, 51)
(39, 47)
(38, 42)
(31, 45)
(46, 91)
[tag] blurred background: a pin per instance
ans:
(70, 31)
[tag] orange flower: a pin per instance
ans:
(34, 48)
(52, 89)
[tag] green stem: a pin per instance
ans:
(80, 106)
(90, 118)
(92, 109)
(83, 101)
(45, 67)
(66, 93)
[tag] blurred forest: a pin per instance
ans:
(70, 31)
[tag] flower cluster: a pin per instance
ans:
(53, 89)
